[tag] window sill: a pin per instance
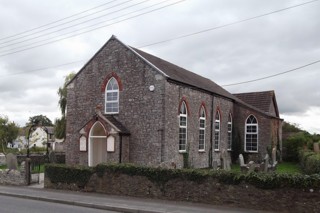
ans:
(255, 152)
(217, 150)
(182, 151)
(202, 151)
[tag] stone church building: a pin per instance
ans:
(126, 105)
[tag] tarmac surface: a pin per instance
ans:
(110, 202)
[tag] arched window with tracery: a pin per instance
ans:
(230, 132)
(251, 134)
(202, 129)
(217, 131)
(183, 116)
(112, 97)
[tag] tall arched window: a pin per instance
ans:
(251, 136)
(112, 97)
(202, 129)
(217, 131)
(230, 132)
(183, 127)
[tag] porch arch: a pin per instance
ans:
(97, 149)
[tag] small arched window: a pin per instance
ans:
(183, 127)
(112, 97)
(251, 136)
(230, 132)
(202, 129)
(217, 131)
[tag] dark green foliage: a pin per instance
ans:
(39, 120)
(293, 144)
(60, 173)
(8, 132)
(80, 175)
(288, 127)
(309, 161)
(60, 127)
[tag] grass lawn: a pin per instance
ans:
(288, 167)
(282, 168)
(3, 166)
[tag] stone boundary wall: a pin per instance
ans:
(14, 177)
(209, 191)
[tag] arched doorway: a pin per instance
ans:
(97, 152)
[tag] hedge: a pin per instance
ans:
(309, 161)
(80, 175)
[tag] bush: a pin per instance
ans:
(80, 176)
(309, 161)
(293, 144)
(59, 173)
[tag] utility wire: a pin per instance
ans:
(59, 20)
(167, 40)
(55, 26)
(271, 76)
(226, 25)
(134, 16)
(43, 68)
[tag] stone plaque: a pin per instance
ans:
(110, 144)
(83, 143)
(12, 162)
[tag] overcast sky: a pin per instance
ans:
(224, 53)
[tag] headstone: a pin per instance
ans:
(266, 163)
(241, 160)
(316, 147)
(251, 166)
(243, 167)
(12, 162)
(225, 160)
(274, 156)
(52, 157)
(2, 159)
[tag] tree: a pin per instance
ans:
(60, 123)
(8, 132)
(39, 119)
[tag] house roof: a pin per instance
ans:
(261, 100)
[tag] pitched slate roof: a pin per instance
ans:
(260, 100)
(182, 75)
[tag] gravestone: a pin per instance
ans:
(225, 160)
(12, 162)
(52, 157)
(274, 156)
(243, 166)
(316, 147)
(266, 163)
(2, 159)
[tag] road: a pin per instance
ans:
(18, 205)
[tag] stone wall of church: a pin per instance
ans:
(265, 132)
(140, 110)
(194, 99)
